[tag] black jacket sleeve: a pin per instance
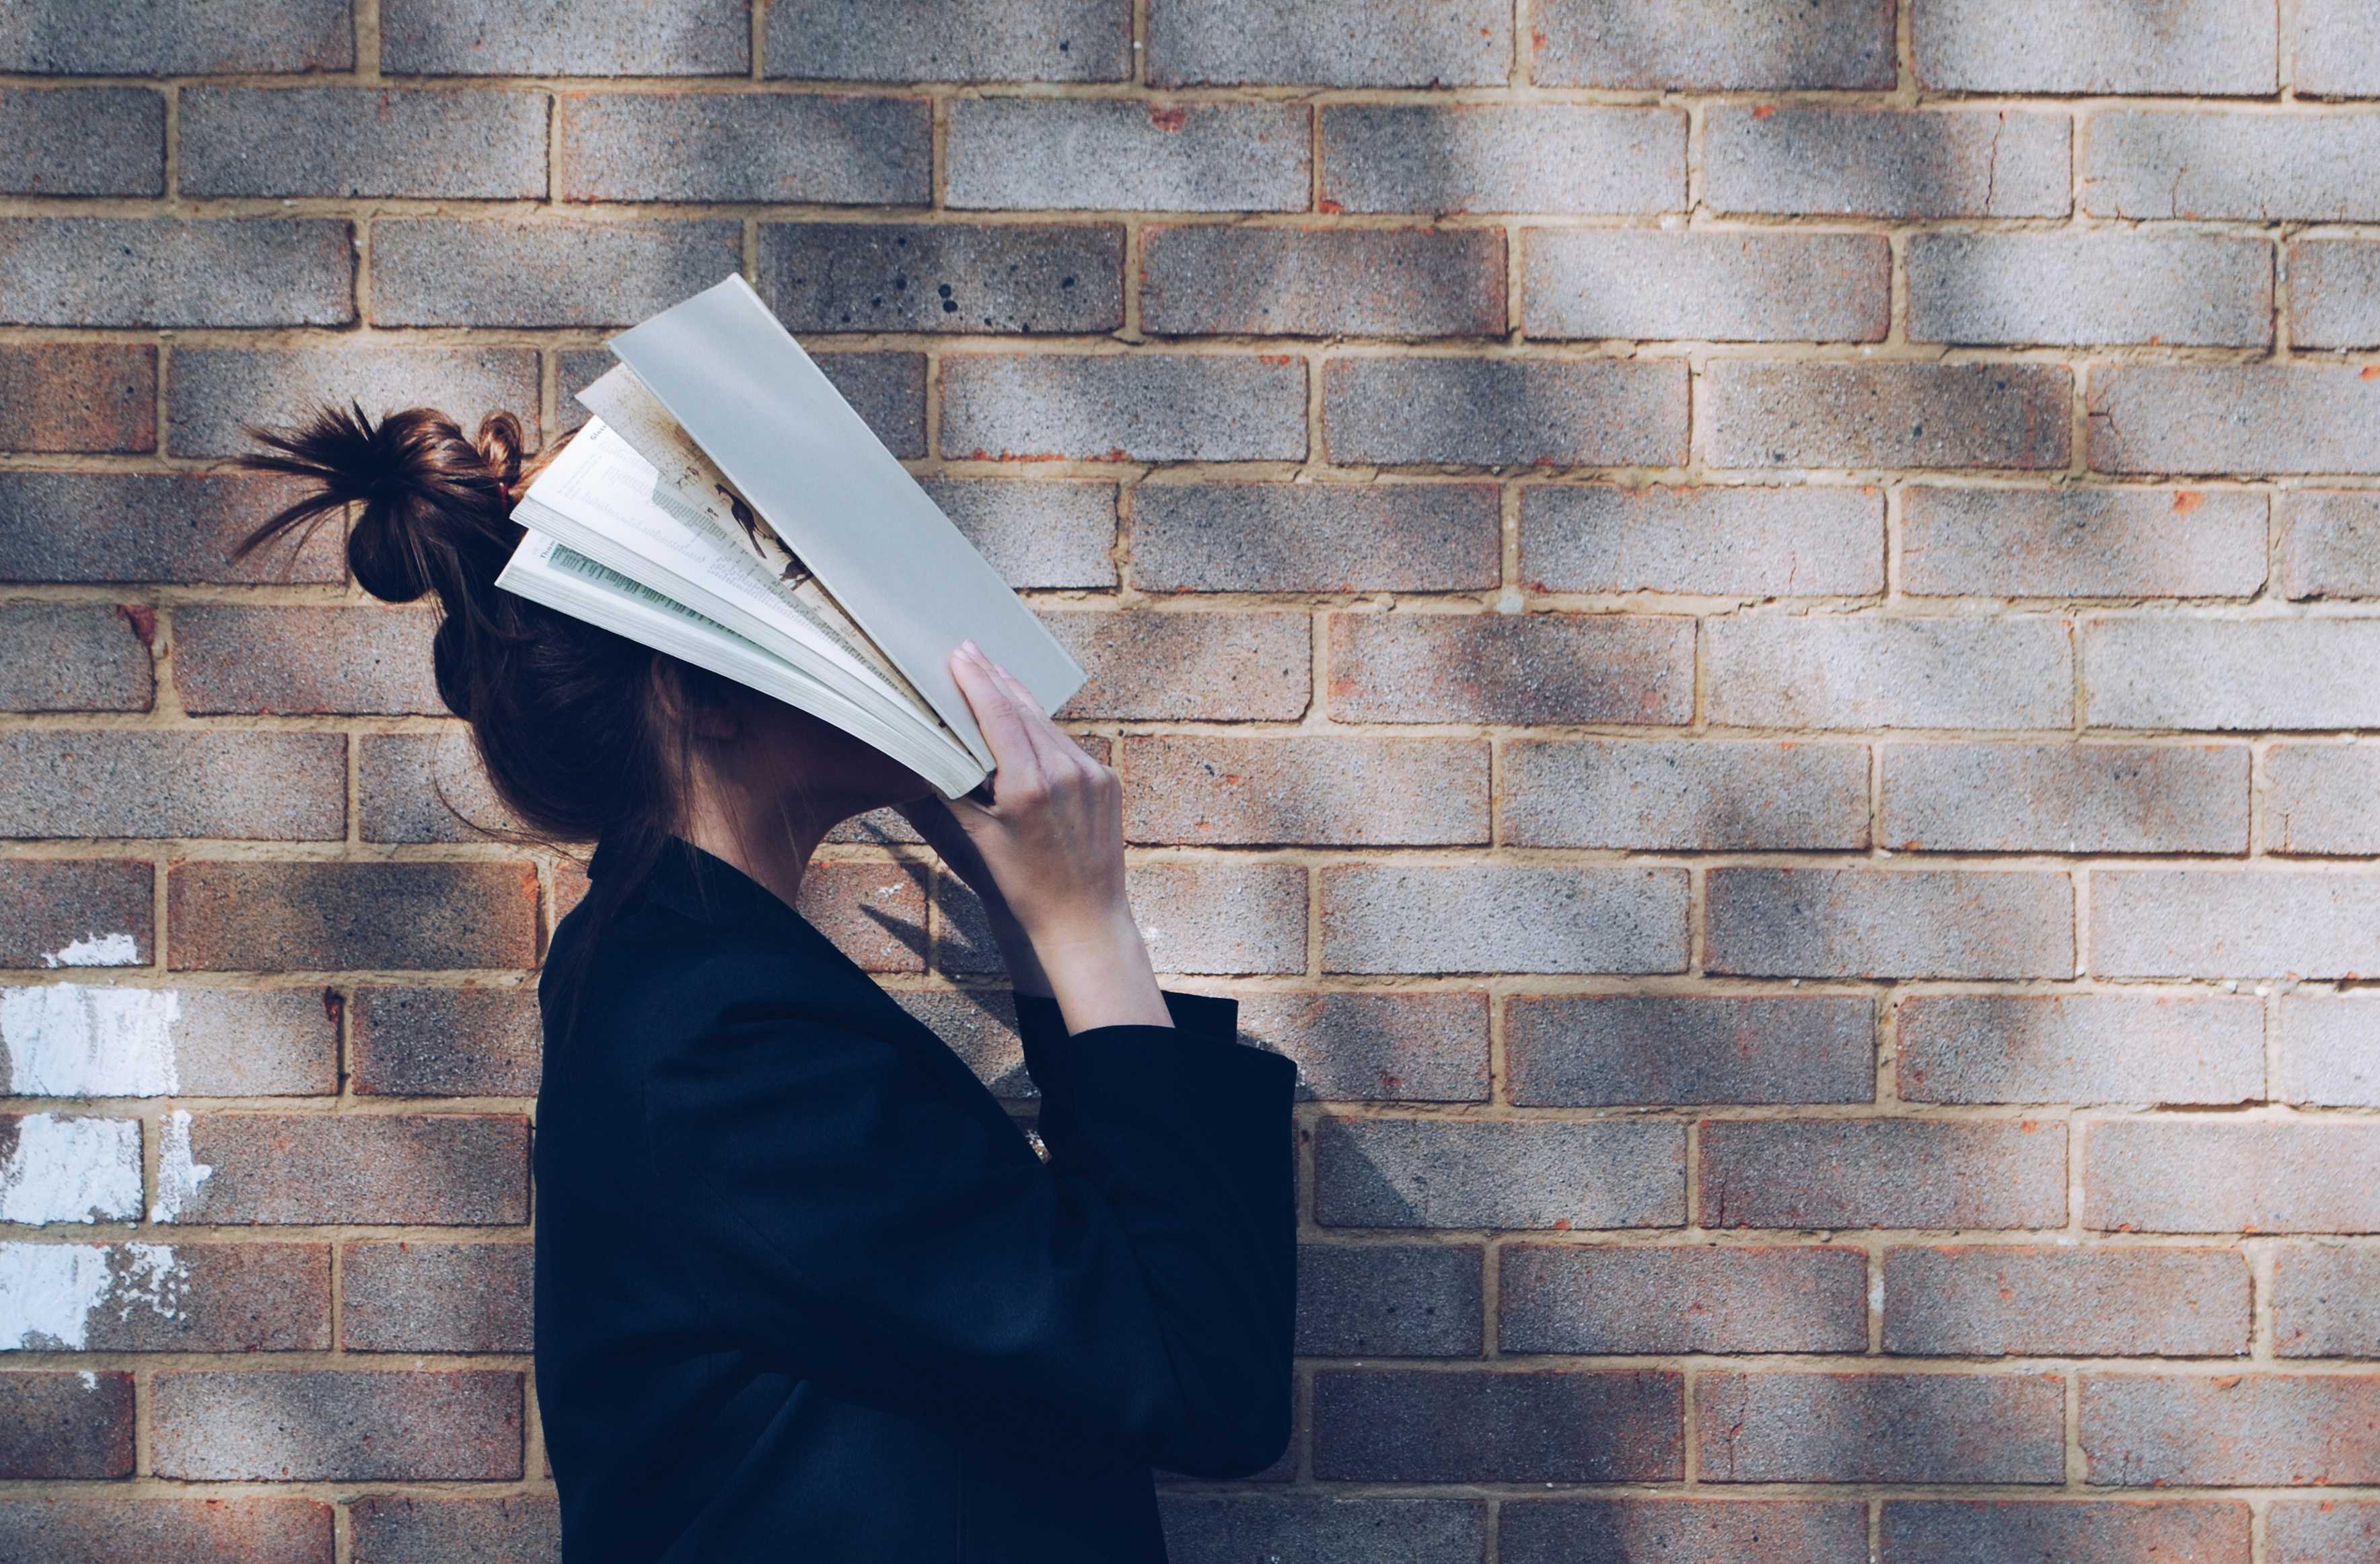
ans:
(1132, 1298)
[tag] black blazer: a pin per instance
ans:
(804, 1290)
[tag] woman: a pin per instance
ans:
(804, 1290)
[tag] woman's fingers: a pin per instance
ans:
(997, 712)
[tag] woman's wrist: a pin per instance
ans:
(1099, 971)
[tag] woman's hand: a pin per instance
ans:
(1047, 857)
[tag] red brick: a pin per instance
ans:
(1650, 284)
(444, 1042)
(94, 527)
(1413, 1426)
(1316, 792)
(1710, 44)
(2233, 419)
(2182, 1175)
(1824, 672)
(2107, 1532)
(1502, 157)
(1203, 1528)
(66, 1425)
(115, 783)
(2077, 543)
(1810, 415)
(421, 1297)
(313, 917)
(1811, 162)
(2185, 923)
(337, 1426)
(216, 395)
(1173, 667)
(64, 912)
(72, 657)
(2080, 1047)
(1503, 918)
(363, 1169)
(77, 397)
(2261, 1430)
(1512, 668)
(2010, 1301)
(1369, 1046)
(2326, 1302)
(1486, 1173)
(183, 1297)
(745, 147)
(188, 1531)
(1699, 1531)
(1595, 1051)
(1609, 1301)
(1692, 795)
(176, 272)
(1333, 43)
(1723, 541)
(304, 662)
(2320, 799)
(2066, 798)
(1123, 407)
(216, 1042)
(1505, 412)
(2329, 1053)
(1042, 153)
(1372, 536)
(1011, 277)
(1881, 1428)
(1237, 281)
(1889, 923)
(1833, 1174)
(874, 913)
(2330, 545)
(2333, 1531)
(410, 1529)
(1413, 1301)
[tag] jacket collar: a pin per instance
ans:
(693, 883)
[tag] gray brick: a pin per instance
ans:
(2262, 1430)
(1882, 1429)
(2181, 47)
(1841, 1174)
(1819, 672)
(1808, 415)
(2213, 166)
(1009, 278)
(1331, 43)
(1221, 280)
(566, 38)
(1137, 407)
(2331, 1532)
(167, 271)
(180, 526)
(304, 662)
(2084, 1533)
(1632, 1050)
(2336, 50)
(324, 1424)
(61, 657)
(2218, 1175)
(78, 396)
(1220, 916)
(176, 37)
(1689, 795)
(426, 787)
(82, 140)
(444, 1042)
(2243, 674)
(1503, 918)
(1188, 667)
(1503, 157)
(186, 1298)
(2192, 290)
(1050, 154)
(2330, 1052)
(952, 41)
(1036, 534)
(1695, 1530)
(2322, 799)
(1206, 1529)
(888, 391)
(2065, 798)
(1376, 1046)
(1508, 412)
(1405, 1302)
(2335, 293)
(746, 146)
(257, 787)
(2234, 418)
(1887, 162)
(2080, 1047)
(1276, 791)
(2082, 543)
(2216, 923)
(2330, 545)
(2326, 1303)
(1716, 541)
(74, 912)
(1392, 1427)
(979, 1024)
(362, 141)
(376, 1169)
(1889, 923)
(1316, 537)
(523, 1528)
(217, 392)
(443, 272)
(1609, 1301)
(1481, 1174)
(1713, 44)
(421, 1297)
(1645, 284)
(1512, 668)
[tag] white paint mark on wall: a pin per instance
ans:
(71, 1041)
(97, 949)
(51, 1293)
(178, 1178)
(76, 1170)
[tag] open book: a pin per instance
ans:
(725, 506)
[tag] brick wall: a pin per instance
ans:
(1743, 624)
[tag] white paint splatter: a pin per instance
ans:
(178, 1178)
(72, 1171)
(49, 1293)
(89, 1380)
(67, 1039)
(97, 949)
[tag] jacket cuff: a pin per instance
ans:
(1038, 1022)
